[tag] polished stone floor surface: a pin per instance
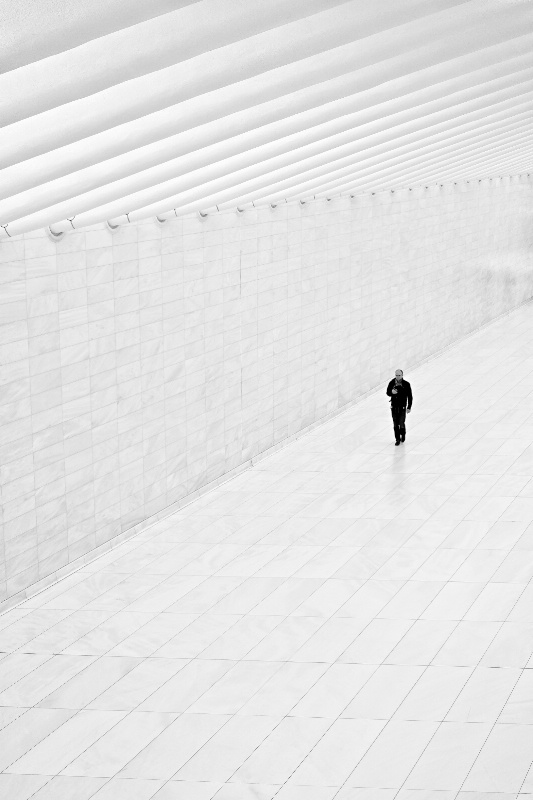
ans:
(347, 620)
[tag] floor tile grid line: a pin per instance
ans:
(344, 784)
(66, 583)
(89, 746)
(288, 714)
(81, 636)
(442, 721)
(244, 657)
(501, 711)
(427, 667)
(108, 688)
(164, 579)
(103, 592)
(412, 690)
(282, 617)
(44, 630)
(198, 656)
(6, 621)
(37, 666)
(128, 575)
(191, 623)
(351, 700)
(16, 624)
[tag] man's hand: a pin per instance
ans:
(408, 410)
(394, 391)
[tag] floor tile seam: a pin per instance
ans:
(47, 630)
(501, 623)
(283, 618)
(84, 656)
(72, 716)
(526, 587)
(109, 619)
(394, 551)
(13, 621)
(135, 708)
(127, 575)
(177, 574)
(441, 549)
(235, 663)
(422, 610)
(440, 725)
(450, 580)
(192, 613)
(392, 718)
(299, 763)
(163, 611)
(49, 657)
(138, 659)
(492, 728)
(243, 615)
(525, 779)
(33, 611)
(125, 714)
(215, 733)
(5, 770)
(404, 545)
(484, 550)
(73, 642)
(442, 722)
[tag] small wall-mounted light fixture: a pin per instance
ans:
(203, 214)
(273, 206)
(55, 237)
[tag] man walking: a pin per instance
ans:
(401, 400)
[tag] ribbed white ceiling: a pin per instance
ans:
(127, 107)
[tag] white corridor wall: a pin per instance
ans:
(141, 365)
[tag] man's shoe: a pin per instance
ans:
(397, 443)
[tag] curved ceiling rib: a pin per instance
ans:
(222, 67)
(258, 101)
(443, 34)
(343, 116)
(150, 46)
(258, 165)
(30, 37)
(201, 103)
(336, 178)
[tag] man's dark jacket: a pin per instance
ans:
(404, 396)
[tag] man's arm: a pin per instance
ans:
(409, 397)
(389, 388)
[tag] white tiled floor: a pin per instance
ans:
(347, 620)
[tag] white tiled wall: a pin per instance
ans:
(140, 365)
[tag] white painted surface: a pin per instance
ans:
(346, 621)
(141, 365)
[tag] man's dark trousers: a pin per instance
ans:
(398, 419)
